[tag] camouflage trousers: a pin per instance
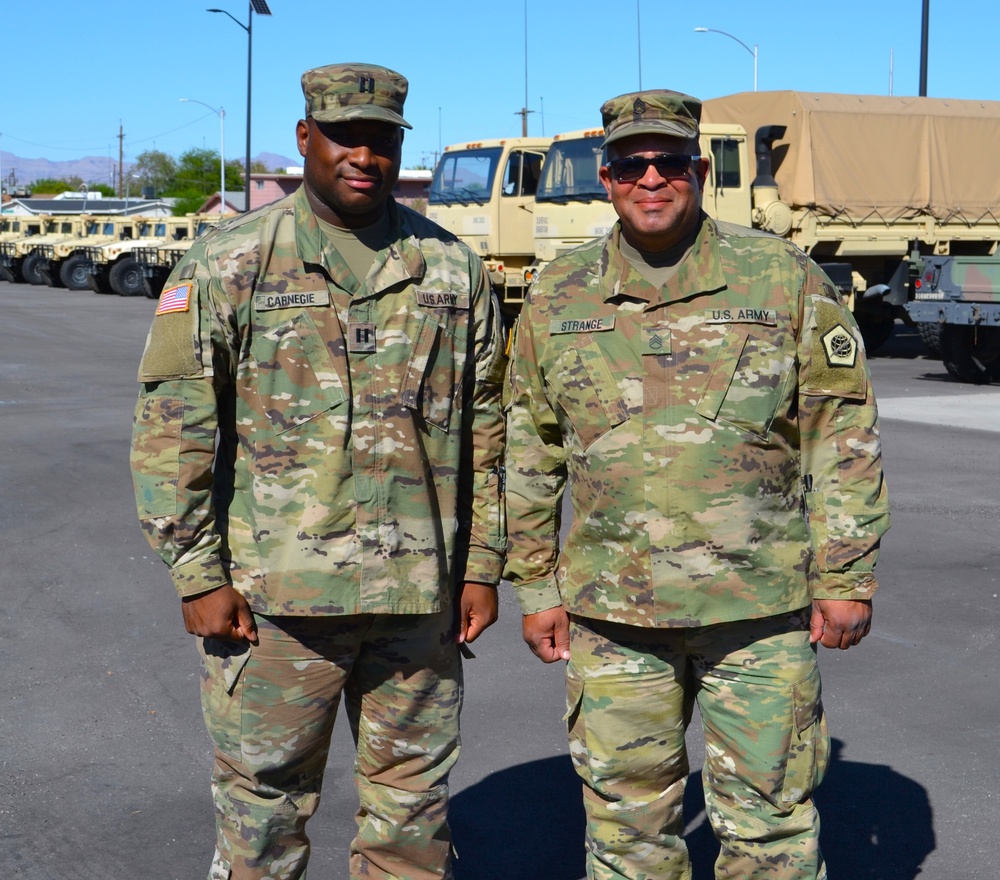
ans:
(270, 710)
(630, 698)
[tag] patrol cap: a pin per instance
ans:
(655, 112)
(342, 92)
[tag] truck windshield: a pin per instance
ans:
(465, 176)
(570, 171)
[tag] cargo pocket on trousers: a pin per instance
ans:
(573, 717)
(222, 692)
(809, 744)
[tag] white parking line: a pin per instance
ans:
(978, 411)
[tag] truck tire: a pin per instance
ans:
(127, 279)
(875, 332)
(971, 354)
(73, 272)
(930, 335)
(6, 274)
(31, 269)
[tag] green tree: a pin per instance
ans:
(234, 175)
(187, 201)
(56, 185)
(156, 169)
(197, 169)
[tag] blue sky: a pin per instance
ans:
(74, 71)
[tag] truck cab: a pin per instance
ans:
(572, 206)
(484, 192)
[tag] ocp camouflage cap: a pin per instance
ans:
(342, 92)
(655, 112)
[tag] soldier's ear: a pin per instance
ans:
(302, 136)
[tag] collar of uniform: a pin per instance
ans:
(699, 272)
(400, 261)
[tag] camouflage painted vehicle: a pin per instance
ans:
(960, 296)
(64, 263)
(484, 192)
(112, 268)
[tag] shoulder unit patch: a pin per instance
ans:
(840, 346)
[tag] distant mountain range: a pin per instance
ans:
(96, 169)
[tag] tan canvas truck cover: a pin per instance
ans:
(888, 156)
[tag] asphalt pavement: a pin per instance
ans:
(104, 760)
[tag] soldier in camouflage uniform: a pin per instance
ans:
(704, 392)
(317, 455)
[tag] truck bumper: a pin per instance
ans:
(948, 312)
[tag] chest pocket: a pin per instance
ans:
(295, 378)
(749, 380)
(433, 379)
(587, 393)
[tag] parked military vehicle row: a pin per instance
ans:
(129, 256)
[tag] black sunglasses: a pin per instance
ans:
(668, 165)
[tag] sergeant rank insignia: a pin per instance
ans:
(841, 347)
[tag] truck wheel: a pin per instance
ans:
(930, 335)
(971, 354)
(127, 279)
(73, 272)
(31, 269)
(6, 274)
(875, 332)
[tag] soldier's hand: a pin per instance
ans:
(840, 623)
(547, 634)
(220, 614)
(477, 609)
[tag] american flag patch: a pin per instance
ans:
(176, 299)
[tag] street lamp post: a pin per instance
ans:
(753, 51)
(261, 8)
(222, 148)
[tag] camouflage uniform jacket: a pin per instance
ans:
(360, 435)
(719, 436)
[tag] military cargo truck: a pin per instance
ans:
(572, 207)
(484, 192)
(961, 297)
(865, 185)
(571, 204)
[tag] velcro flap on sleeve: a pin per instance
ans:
(173, 347)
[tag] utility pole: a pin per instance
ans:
(523, 113)
(121, 157)
(924, 29)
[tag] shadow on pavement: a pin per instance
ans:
(905, 342)
(527, 821)
(524, 821)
